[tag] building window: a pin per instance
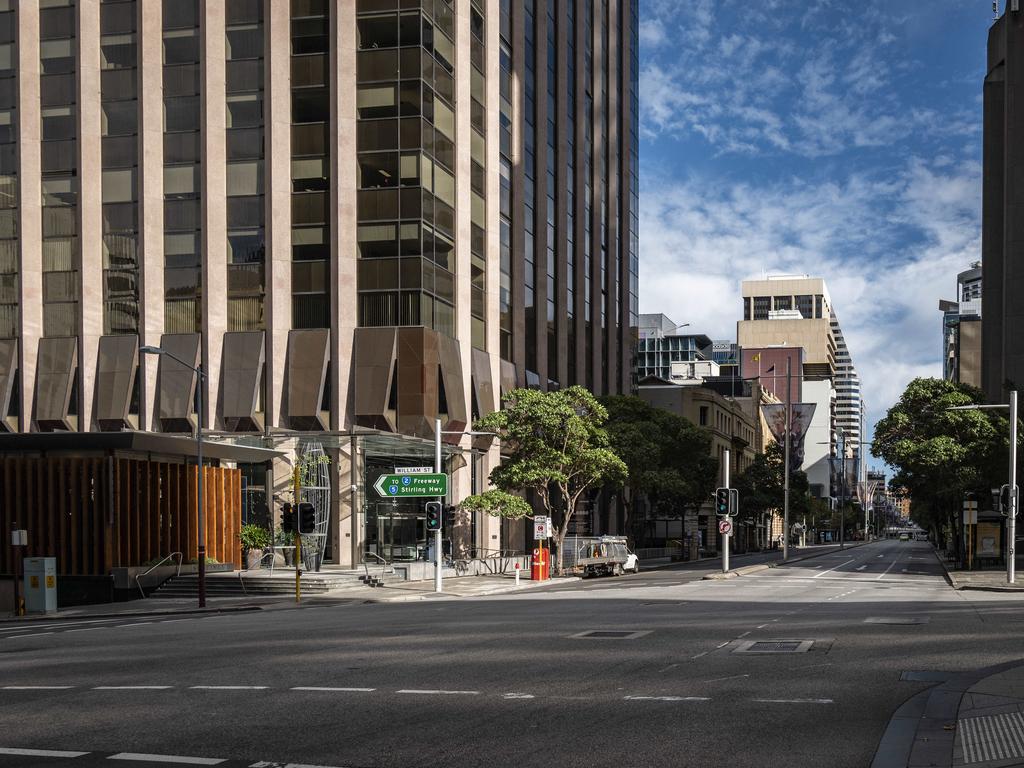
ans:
(703, 416)
(762, 305)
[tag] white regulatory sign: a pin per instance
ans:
(541, 528)
(725, 527)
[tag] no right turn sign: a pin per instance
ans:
(725, 527)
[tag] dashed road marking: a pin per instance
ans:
(229, 687)
(325, 688)
(132, 687)
(40, 752)
(179, 759)
(36, 634)
(666, 698)
(794, 701)
(439, 692)
(140, 624)
(37, 687)
(518, 696)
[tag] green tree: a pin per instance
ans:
(941, 455)
(554, 446)
(668, 459)
(761, 488)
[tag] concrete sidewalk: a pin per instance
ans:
(991, 580)
(454, 587)
(973, 718)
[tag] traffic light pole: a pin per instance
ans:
(725, 536)
(297, 485)
(437, 534)
(1011, 519)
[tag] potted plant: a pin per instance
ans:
(253, 539)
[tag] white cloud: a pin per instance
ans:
(889, 249)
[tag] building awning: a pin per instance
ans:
(155, 443)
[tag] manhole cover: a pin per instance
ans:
(774, 646)
(907, 620)
(610, 634)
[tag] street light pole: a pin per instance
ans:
(788, 441)
(200, 496)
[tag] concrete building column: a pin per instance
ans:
(90, 205)
(30, 210)
(214, 202)
(277, 162)
(344, 301)
(149, 23)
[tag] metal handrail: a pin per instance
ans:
(246, 570)
(138, 576)
(383, 564)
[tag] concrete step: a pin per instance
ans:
(188, 586)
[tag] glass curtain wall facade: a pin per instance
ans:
(311, 161)
(58, 54)
(405, 102)
(182, 167)
(120, 135)
(10, 285)
(246, 279)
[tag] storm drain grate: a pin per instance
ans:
(902, 620)
(610, 634)
(774, 646)
(992, 737)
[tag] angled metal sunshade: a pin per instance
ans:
(55, 380)
(116, 366)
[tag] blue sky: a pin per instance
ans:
(836, 138)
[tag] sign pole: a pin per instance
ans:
(725, 536)
(297, 486)
(1011, 521)
(438, 587)
(788, 447)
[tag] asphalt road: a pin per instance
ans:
(515, 680)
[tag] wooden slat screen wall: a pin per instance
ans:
(96, 513)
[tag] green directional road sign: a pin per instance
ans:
(415, 484)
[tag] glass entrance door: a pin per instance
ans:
(396, 532)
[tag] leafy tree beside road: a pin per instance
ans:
(941, 455)
(554, 445)
(668, 459)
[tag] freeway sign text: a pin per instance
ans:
(411, 484)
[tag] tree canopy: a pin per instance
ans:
(554, 445)
(668, 458)
(941, 455)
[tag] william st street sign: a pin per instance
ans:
(405, 485)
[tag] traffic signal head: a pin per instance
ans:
(434, 515)
(722, 501)
(287, 518)
(306, 517)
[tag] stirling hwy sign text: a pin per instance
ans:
(419, 484)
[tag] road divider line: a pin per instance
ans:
(84, 629)
(37, 687)
(325, 688)
(34, 634)
(132, 687)
(438, 692)
(861, 567)
(666, 698)
(228, 687)
(140, 624)
(178, 759)
(518, 696)
(39, 752)
(847, 562)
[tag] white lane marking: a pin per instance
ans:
(720, 679)
(743, 635)
(140, 624)
(517, 696)
(832, 569)
(181, 759)
(39, 752)
(881, 555)
(699, 655)
(794, 701)
(861, 567)
(84, 629)
(439, 692)
(37, 687)
(762, 626)
(324, 688)
(132, 687)
(666, 698)
(722, 645)
(57, 625)
(891, 566)
(228, 687)
(37, 634)
(264, 764)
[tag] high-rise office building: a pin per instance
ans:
(1002, 239)
(961, 329)
(356, 215)
(786, 313)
